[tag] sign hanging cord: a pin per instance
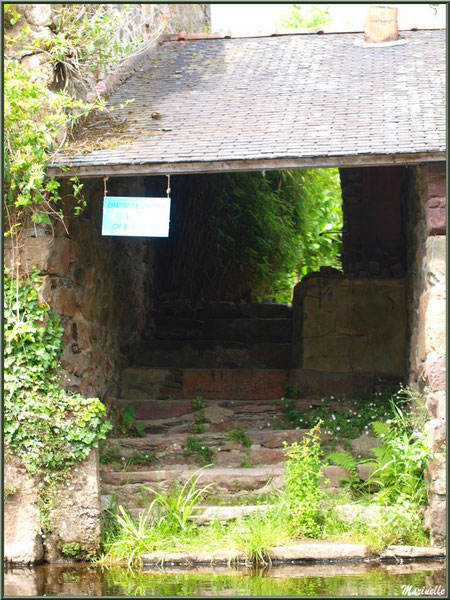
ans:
(105, 179)
(168, 186)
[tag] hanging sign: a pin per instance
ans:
(136, 217)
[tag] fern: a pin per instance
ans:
(380, 429)
(344, 460)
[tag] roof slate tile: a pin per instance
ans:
(286, 96)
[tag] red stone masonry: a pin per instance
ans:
(435, 198)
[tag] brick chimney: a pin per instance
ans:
(381, 24)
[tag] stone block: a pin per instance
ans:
(64, 301)
(266, 456)
(435, 187)
(395, 551)
(257, 384)
(436, 434)
(436, 404)
(431, 338)
(435, 263)
(435, 370)
(36, 252)
(363, 445)
(350, 325)
(22, 537)
(435, 520)
(335, 475)
(59, 257)
(39, 15)
(435, 215)
(77, 514)
(319, 551)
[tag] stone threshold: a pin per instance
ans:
(310, 551)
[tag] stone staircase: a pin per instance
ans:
(236, 359)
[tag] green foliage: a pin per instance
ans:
(9, 490)
(240, 436)
(258, 236)
(87, 42)
(400, 462)
(199, 450)
(257, 533)
(300, 16)
(112, 456)
(72, 550)
(352, 418)
(129, 423)
(302, 478)
(199, 415)
(344, 460)
(132, 538)
(48, 428)
(34, 123)
(178, 506)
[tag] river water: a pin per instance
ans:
(351, 579)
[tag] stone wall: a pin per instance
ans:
(352, 328)
(426, 226)
(100, 286)
(373, 234)
(102, 289)
(75, 518)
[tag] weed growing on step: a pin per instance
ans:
(199, 450)
(397, 475)
(199, 415)
(129, 423)
(112, 457)
(179, 505)
(240, 436)
(302, 478)
(341, 417)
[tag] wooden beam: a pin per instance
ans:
(185, 168)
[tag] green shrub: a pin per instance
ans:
(179, 504)
(199, 450)
(48, 428)
(303, 472)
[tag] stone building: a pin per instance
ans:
(207, 104)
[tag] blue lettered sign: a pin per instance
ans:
(141, 217)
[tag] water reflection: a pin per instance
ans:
(354, 579)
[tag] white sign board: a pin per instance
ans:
(136, 217)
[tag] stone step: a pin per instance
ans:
(184, 308)
(268, 438)
(246, 384)
(238, 330)
(177, 416)
(129, 487)
(208, 514)
(211, 354)
(264, 447)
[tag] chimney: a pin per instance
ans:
(381, 24)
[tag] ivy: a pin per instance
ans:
(45, 426)
(88, 41)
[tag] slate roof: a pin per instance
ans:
(304, 97)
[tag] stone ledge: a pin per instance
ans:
(317, 551)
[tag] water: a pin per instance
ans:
(356, 579)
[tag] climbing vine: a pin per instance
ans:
(45, 426)
(87, 43)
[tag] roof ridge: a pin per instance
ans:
(192, 37)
